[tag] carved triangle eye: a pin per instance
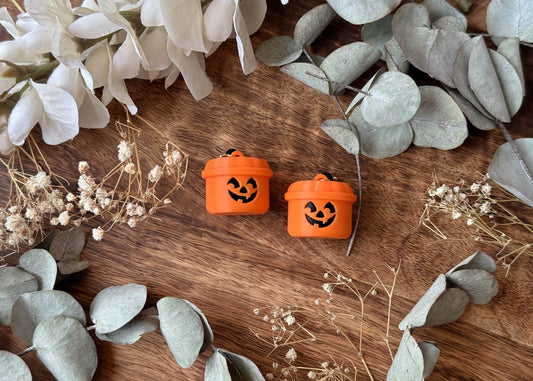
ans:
(311, 205)
(233, 181)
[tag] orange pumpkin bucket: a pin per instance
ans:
(320, 208)
(236, 184)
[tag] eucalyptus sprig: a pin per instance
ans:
(390, 112)
(54, 324)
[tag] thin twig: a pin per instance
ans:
(348, 87)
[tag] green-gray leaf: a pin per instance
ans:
(509, 81)
(241, 368)
(312, 24)
(430, 352)
(65, 348)
(115, 306)
(47, 241)
(182, 329)
(216, 368)
(395, 58)
(510, 18)
(377, 33)
(480, 285)
(477, 261)
(13, 283)
(41, 265)
(438, 306)
(394, 99)
(300, 70)
(381, 143)
(347, 63)
(147, 321)
(13, 368)
(71, 267)
(507, 171)
(278, 51)
(360, 12)
(471, 113)
(438, 9)
(209, 337)
(484, 82)
(360, 95)
(439, 122)
(408, 362)
(510, 49)
(32, 308)
(68, 245)
(450, 23)
(339, 130)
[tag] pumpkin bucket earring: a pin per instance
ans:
(236, 184)
(320, 208)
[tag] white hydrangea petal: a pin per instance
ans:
(6, 147)
(153, 43)
(47, 12)
(218, 19)
(253, 12)
(97, 64)
(87, 78)
(7, 22)
(70, 80)
(59, 119)
(192, 67)
(109, 9)
(151, 13)
(11, 52)
(126, 62)
(64, 48)
(117, 88)
(93, 26)
(184, 22)
(128, 6)
(7, 79)
(244, 45)
(25, 23)
(24, 116)
(92, 112)
(6, 84)
(106, 95)
(172, 77)
(90, 4)
(38, 40)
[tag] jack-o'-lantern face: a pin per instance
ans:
(240, 192)
(321, 218)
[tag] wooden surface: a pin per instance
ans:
(230, 265)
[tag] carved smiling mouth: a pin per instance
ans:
(244, 198)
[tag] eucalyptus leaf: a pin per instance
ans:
(395, 58)
(477, 261)
(300, 70)
(145, 322)
(438, 9)
(360, 12)
(442, 54)
(394, 99)
(510, 49)
(278, 51)
(381, 143)
(13, 368)
(431, 353)
(484, 82)
(471, 113)
(41, 265)
(438, 306)
(71, 267)
(216, 368)
(313, 58)
(340, 131)
(312, 24)
(408, 362)
(510, 18)
(509, 81)
(47, 241)
(438, 122)
(450, 23)
(241, 368)
(377, 33)
(480, 285)
(209, 337)
(460, 74)
(366, 88)
(68, 245)
(115, 306)
(32, 308)
(347, 63)
(182, 329)
(507, 171)
(13, 283)
(65, 348)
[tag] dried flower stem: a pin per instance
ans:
(16, 4)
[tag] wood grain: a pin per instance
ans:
(229, 265)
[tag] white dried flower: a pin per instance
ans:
(442, 190)
(485, 208)
(486, 189)
(155, 174)
(98, 233)
(289, 320)
(470, 221)
(317, 301)
(31, 213)
(311, 375)
(269, 376)
(125, 150)
(474, 188)
(83, 167)
(328, 287)
(130, 169)
(275, 365)
(38, 181)
(86, 183)
(324, 365)
(456, 214)
(63, 218)
(71, 197)
(291, 355)
(132, 222)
